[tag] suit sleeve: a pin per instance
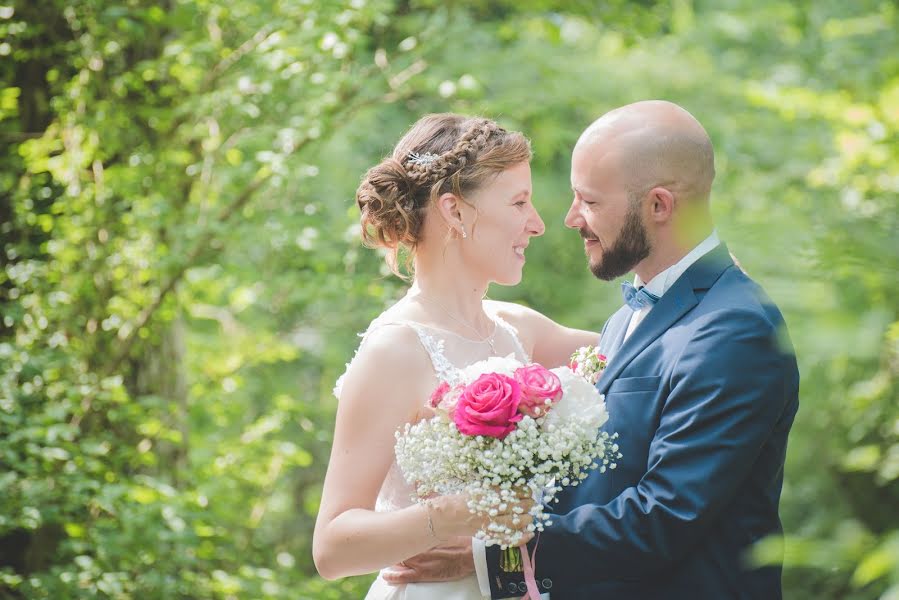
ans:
(729, 389)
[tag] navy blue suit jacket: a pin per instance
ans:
(702, 394)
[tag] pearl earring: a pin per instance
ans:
(464, 235)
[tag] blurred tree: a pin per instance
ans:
(182, 279)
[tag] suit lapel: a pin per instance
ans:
(674, 304)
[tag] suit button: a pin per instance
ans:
(547, 583)
(512, 588)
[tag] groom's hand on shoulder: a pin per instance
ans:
(446, 562)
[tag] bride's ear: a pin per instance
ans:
(450, 208)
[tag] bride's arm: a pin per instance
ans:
(386, 385)
(548, 342)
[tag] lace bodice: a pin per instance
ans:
(449, 353)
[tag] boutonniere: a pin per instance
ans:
(588, 362)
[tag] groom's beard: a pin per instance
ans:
(631, 246)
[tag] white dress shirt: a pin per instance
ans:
(661, 283)
(658, 285)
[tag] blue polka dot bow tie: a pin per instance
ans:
(637, 299)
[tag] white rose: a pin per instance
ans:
(579, 400)
(506, 365)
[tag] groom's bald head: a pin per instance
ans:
(655, 143)
(641, 176)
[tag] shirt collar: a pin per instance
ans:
(659, 284)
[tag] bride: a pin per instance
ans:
(456, 194)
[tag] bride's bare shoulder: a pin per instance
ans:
(390, 357)
(392, 345)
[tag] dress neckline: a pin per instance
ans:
(465, 338)
(434, 344)
(494, 319)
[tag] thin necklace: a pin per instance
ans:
(488, 340)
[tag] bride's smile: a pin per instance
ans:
(503, 219)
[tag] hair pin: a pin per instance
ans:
(422, 159)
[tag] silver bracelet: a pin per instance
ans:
(433, 533)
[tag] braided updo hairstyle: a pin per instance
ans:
(441, 153)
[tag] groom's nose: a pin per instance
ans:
(574, 219)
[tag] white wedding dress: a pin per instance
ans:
(449, 352)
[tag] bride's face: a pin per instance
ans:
(505, 222)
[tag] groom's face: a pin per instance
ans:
(607, 216)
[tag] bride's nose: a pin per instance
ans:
(535, 224)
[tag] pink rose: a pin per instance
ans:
(603, 361)
(438, 394)
(538, 384)
(488, 406)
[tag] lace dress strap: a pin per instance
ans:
(514, 335)
(443, 368)
(434, 346)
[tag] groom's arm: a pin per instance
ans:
(731, 386)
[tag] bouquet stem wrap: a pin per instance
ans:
(530, 567)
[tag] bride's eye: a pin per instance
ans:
(520, 203)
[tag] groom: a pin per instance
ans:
(701, 386)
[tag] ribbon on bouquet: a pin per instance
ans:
(530, 566)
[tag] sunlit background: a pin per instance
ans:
(182, 279)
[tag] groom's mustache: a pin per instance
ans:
(587, 234)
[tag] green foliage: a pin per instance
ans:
(182, 281)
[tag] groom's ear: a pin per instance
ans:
(661, 204)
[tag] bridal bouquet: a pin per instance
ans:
(505, 432)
